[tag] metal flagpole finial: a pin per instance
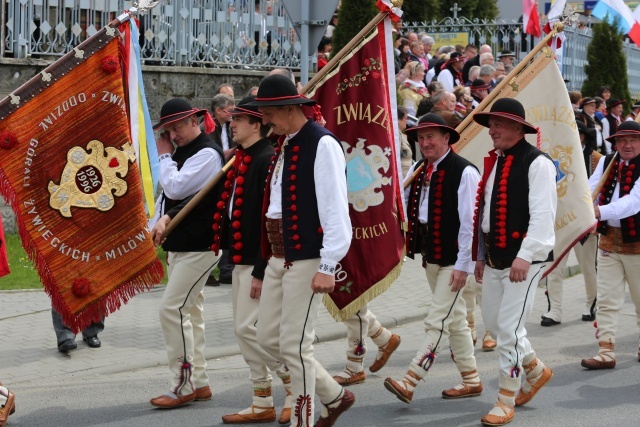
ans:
(141, 7)
(397, 3)
(569, 15)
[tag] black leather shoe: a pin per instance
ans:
(547, 321)
(93, 342)
(588, 317)
(225, 280)
(67, 345)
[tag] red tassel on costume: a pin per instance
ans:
(515, 372)
(317, 114)
(359, 349)
(209, 124)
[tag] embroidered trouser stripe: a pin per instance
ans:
(181, 314)
(446, 318)
(505, 308)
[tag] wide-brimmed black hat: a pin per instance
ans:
(506, 53)
(590, 135)
(176, 109)
(479, 84)
(636, 104)
(613, 102)
(507, 108)
(278, 90)
(627, 128)
(429, 121)
(454, 57)
(243, 107)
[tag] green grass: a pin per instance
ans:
(23, 273)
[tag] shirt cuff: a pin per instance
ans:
(525, 255)
(327, 266)
(161, 157)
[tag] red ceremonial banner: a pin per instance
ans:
(68, 170)
(356, 104)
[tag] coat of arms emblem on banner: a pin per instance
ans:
(365, 174)
(91, 178)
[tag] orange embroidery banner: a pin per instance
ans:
(69, 172)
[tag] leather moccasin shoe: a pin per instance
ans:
(464, 391)
(547, 321)
(285, 416)
(524, 397)
(8, 409)
(67, 345)
(388, 350)
(203, 393)
(168, 401)
(400, 392)
(347, 401)
(598, 364)
(352, 379)
(267, 415)
(93, 342)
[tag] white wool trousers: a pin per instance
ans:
(245, 319)
(287, 316)
(506, 306)
(613, 271)
(182, 319)
(446, 318)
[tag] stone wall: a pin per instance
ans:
(160, 83)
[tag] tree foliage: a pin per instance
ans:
(353, 16)
(486, 9)
(421, 10)
(470, 9)
(607, 63)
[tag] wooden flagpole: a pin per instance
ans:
(558, 27)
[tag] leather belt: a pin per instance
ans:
(612, 242)
(274, 234)
(496, 264)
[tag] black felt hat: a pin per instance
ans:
(479, 84)
(176, 109)
(506, 53)
(507, 108)
(243, 107)
(627, 128)
(278, 90)
(429, 121)
(614, 102)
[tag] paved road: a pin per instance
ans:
(112, 385)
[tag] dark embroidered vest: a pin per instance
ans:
(441, 241)
(627, 176)
(194, 233)
(509, 210)
(302, 232)
(241, 234)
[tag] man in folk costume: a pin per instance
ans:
(588, 116)
(440, 207)
(618, 212)
(451, 74)
(585, 250)
(635, 109)
(237, 220)
(479, 91)
(613, 118)
(183, 172)
(513, 237)
(306, 232)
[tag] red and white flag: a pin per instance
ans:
(530, 18)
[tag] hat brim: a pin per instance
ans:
(454, 136)
(279, 102)
(615, 104)
(627, 132)
(239, 110)
(483, 120)
(483, 87)
(177, 117)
